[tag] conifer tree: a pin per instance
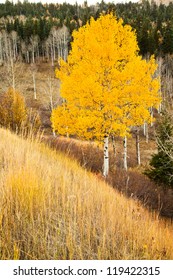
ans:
(161, 164)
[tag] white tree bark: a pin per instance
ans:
(14, 38)
(125, 152)
(52, 56)
(34, 40)
(13, 74)
(146, 131)
(151, 112)
(33, 70)
(106, 157)
(138, 147)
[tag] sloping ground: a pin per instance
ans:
(132, 183)
(50, 208)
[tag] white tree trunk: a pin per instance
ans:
(27, 56)
(144, 128)
(159, 108)
(138, 148)
(125, 152)
(52, 56)
(54, 133)
(33, 55)
(151, 116)
(146, 131)
(106, 157)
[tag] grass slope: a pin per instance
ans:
(50, 208)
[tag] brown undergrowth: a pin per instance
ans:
(131, 183)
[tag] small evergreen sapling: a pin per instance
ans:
(161, 164)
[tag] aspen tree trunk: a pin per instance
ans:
(159, 108)
(27, 56)
(16, 49)
(54, 134)
(125, 152)
(47, 51)
(33, 57)
(58, 48)
(52, 57)
(151, 116)
(106, 157)
(138, 147)
(65, 48)
(144, 128)
(53, 46)
(146, 131)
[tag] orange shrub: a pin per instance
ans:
(12, 109)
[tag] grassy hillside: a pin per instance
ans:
(50, 208)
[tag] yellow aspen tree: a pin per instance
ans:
(98, 83)
(12, 109)
(141, 94)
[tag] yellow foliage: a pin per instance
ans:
(12, 109)
(106, 85)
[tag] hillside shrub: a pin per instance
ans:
(12, 110)
(161, 164)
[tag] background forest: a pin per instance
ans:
(35, 23)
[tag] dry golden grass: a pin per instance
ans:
(50, 208)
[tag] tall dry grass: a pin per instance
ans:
(132, 182)
(50, 208)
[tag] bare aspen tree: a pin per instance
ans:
(51, 42)
(46, 47)
(138, 156)
(145, 130)
(50, 49)
(6, 46)
(33, 70)
(14, 38)
(48, 86)
(50, 92)
(63, 41)
(34, 40)
(151, 113)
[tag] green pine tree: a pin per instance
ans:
(161, 164)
